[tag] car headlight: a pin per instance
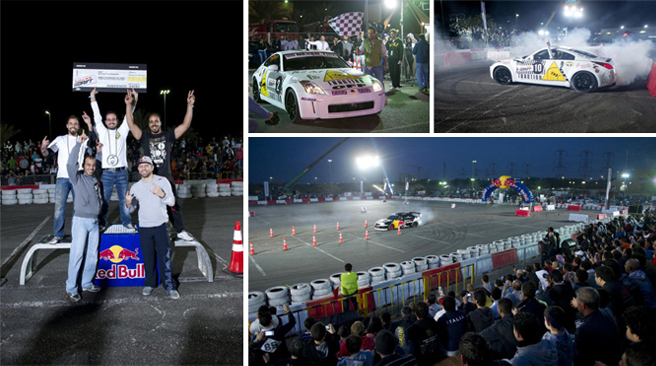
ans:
(377, 86)
(311, 88)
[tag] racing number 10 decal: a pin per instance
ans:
(538, 68)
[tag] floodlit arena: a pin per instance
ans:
(447, 226)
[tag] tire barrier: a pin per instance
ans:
(321, 288)
(300, 293)
(256, 299)
(278, 295)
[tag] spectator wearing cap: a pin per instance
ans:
(153, 193)
(385, 348)
(555, 320)
(450, 327)
(500, 335)
(597, 337)
(358, 357)
(531, 348)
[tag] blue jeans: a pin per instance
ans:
(422, 76)
(376, 72)
(120, 180)
(84, 248)
(62, 188)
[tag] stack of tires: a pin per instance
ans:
(212, 190)
(198, 190)
(24, 196)
(377, 275)
(237, 188)
(433, 261)
(224, 189)
(321, 288)
(301, 292)
(9, 197)
(392, 270)
(255, 300)
(40, 196)
(335, 280)
(51, 194)
(408, 267)
(421, 264)
(183, 191)
(278, 295)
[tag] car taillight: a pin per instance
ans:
(604, 64)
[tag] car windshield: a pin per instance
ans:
(393, 217)
(304, 61)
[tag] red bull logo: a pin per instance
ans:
(504, 182)
(117, 254)
(121, 271)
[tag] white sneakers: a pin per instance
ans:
(184, 235)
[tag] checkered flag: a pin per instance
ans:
(347, 24)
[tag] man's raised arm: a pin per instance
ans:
(136, 131)
(181, 129)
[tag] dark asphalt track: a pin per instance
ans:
(407, 111)
(444, 231)
(119, 325)
(467, 99)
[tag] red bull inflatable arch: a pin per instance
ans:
(505, 182)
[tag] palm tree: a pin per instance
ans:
(7, 132)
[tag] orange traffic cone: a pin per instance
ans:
(366, 234)
(340, 237)
(365, 223)
(337, 225)
(314, 241)
(293, 230)
(315, 228)
(399, 231)
(271, 232)
(237, 259)
(252, 251)
(284, 244)
(359, 65)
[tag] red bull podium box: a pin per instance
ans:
(120, 263)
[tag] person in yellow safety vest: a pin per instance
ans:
(349, 286)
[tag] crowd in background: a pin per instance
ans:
(587, 303)
(474, 36)
(22, 162)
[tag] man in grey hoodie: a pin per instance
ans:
(531, 348)
(85, 233)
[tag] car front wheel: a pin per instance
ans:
(291, 105)
(502, 76)
(584, 82)
(256, 91)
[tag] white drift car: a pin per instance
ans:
(316, 85)
(567, 67)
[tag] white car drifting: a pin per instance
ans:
(557, 66)
(316, 85)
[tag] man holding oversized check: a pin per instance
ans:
(114, 159)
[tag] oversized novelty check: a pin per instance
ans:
(109, 77)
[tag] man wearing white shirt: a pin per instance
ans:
(62, 145)
(114, 160)
(321, 44)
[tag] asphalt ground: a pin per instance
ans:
(119, 325)
(407, 111)
(467, 99)
(444, 230)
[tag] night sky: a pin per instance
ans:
(283, 158)
(177, 40)
(597, 14)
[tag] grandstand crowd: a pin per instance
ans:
(590, 302)
(22, 162)
(474, 36)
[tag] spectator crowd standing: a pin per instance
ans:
(201, 158)
(474, 36)
(546, 314)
